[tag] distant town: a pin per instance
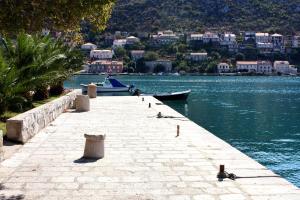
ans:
(246, 53)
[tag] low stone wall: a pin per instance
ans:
(1, 145)
(24, 126)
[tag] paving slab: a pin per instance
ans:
(144, 159)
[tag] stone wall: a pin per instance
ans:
(24, 126)
(1, 145)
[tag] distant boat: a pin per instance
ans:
(109, 85)
(165, 96)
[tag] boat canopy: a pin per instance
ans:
(116, 83)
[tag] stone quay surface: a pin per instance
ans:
(144, 159)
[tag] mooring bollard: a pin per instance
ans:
(143, 99)
(92, 91)
(149, 105)
(94, 146)
(221, 174)
(82, 103)
(178, 131)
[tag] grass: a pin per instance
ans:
(10, 114)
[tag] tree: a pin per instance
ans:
(239, 56)
(151, 56)
(34, 15)
(159, 68)
(120, 52)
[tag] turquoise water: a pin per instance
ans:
(258, 115)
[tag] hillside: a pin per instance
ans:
(193, 15)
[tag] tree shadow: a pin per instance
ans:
(11, 197)
(84, 160)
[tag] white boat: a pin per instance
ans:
(109, 85)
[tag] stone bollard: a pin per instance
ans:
(92, 91)
(94, 146)
(1, 146)
(82, 103)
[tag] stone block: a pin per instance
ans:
(82, 103)
(24, 126)
(94, 146)
(92, 91)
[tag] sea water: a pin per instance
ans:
(258, 115)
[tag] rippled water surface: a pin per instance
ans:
(258, 115)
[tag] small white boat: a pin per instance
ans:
(109, 85)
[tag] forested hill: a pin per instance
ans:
(192, 15)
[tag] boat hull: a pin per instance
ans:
(107, 89)
(170, 96)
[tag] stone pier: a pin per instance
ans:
(145, 159)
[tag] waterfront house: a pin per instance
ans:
(101, 54)
(228, 40)
(246, 66)
(137, 54)
(223, 68)
(119, 43)
(249, 35)
(211, 37)
(132, 40)
(284, 67)
(262, 37)
(165, 37)
(167, 64)
(105, 66)
(264, 67)
(197, 57)
(195, 37)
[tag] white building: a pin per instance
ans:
(223, 68)
(210, 37)
(249, 35)
(248, 66)
(264, 67)
(165, 37)
(132, 40)
(228, 39)
(101, 54)
(264, 47)
(278, 42)
(88, 46)
(137, 54)
(119, 43)
(262, 37)
(195, 37)
(296, 41)
(284, 67)
(197, 57)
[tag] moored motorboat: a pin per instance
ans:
(109, 85)
(166, 96)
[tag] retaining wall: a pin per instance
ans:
(1, 145)
(24, 126)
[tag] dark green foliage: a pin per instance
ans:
(195, 15)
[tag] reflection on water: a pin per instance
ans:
(258, 115)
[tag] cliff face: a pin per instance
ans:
(191, 15)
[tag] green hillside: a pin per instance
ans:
(193, 15)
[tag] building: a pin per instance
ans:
(101, 54)
(152, 64)
(262, 37)
(228, 39)
(119, 43)
(223, 68)
(195, 37)
(132, 40)
(284, 67)
(105, 66)
(165, 37)
(264, 67)
(246, 66)
(249, 35)
(278, 42)
(137, 54)
(210, 37)
(295, 41)
(197, 57)
(88, 46)
(264, 48)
